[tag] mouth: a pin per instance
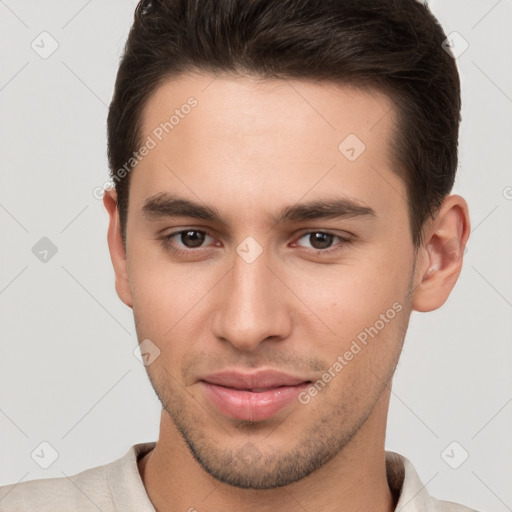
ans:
(252, 397)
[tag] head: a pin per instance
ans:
(289, 210)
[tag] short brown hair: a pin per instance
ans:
(395, 46)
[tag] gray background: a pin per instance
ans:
(68, 375)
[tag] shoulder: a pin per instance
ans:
(410, 492)
(84, 491)
(449, 506)
(102, 488)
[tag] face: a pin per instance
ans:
(261, 236)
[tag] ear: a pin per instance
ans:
(116, 247)
(440, 256)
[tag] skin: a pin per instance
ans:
(250, 148)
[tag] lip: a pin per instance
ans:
(260, 379)
(252, 396)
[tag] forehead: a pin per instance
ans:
(252, 106)
(242, 136)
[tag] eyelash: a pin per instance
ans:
(168, 245)
(330, 250)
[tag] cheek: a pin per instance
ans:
(368, 324)
(354, 301)
(167, 297)
(165, 308)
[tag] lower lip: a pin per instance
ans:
(249, 405)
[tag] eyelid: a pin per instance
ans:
(167, 239)
(327, 231)
(186, 230)
(345, 240)
(202, 229)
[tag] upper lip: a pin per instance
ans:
(260, 379)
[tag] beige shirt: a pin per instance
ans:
(117, 486)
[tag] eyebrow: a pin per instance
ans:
(164, 205)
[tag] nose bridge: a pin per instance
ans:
(250, 307)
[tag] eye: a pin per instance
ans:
(185, 239)
(321, 240)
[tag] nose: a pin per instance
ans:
(252, 305)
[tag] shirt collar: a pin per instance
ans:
(129, 493)
(405, 484)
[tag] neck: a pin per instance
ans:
(354, 480)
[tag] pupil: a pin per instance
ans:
(321, 240)
(195, 237)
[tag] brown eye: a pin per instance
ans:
(320, 240)
(192, 238)
(185, 240)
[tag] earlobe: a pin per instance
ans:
(442, 253)
(116, 248)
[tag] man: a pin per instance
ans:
(282, 172)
